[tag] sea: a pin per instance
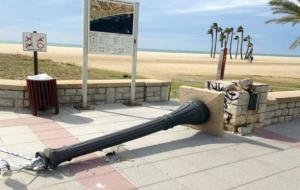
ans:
(156, 50)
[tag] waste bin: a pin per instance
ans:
(42, 95)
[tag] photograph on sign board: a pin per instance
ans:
(111, 17)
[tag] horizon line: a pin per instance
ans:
(153, 50)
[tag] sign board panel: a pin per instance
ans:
(34, 42)
(111, 27)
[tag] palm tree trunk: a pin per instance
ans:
(242, 39)
(231, 38)
(216, 40)
(212, 45)
(246, 54)
(237, 48)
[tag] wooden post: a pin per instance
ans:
(222, 64)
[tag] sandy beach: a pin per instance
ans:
(174, 66)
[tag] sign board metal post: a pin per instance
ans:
(85, 47)
(222, 64)
(35, 59)
(134, 54)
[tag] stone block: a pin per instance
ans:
(19, 103)
(281, 119)
(101, 90)
(139, 89)
(26, 103)
(92, 91)
(79, 91)
(15, 94)
(262, 108)
(123, 90)
(284, 112)
(291, 111)
(164, 93)
(268, 115)
(267, 122)
(261, 118)
(110, 95)
(119, 96)
(98, 97)
(6, 102)
(244, 110)
(64, 99)
(149, 94)
(139, 95)
(61, 92)
(269, 108)
(234, 109)
(153, 99)
(263, 98)
(262, 89)
(283, 106)
(238, 121)
(70, 92)
(258, 125)
(288, 118)
(153, 89)
(298, 104)
(243, 99)
(275, 120)
(291, 104)
(75, 99)
(245, 130)
(26, 95)
(252, 118)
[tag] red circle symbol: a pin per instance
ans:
(40, 45)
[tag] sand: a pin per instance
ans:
(175, 65)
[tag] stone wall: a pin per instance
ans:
(282, 107)
(14, 93)
(271, 107)
(238, 116)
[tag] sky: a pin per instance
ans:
(164, 24)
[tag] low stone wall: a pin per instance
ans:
(239, 116)
(282, 107)
(13, 93)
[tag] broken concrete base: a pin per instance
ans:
(215, 103)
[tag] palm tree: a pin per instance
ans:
(291, 10)
(211, 32)
(227, 32)
(216, 29)
(231, 38)
(241, 30)
(237, 38)
(222, 38)
(247, 39)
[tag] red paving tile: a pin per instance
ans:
(264, 133)
(91, 171)
(23, 121)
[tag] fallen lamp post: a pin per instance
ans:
(193, 113)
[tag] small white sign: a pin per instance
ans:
(34, 42)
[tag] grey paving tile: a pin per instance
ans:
(144, 175)
(203, 180)
(284, 159)
(15, 139)
(167, 185)
(243, 172)
(288, 180)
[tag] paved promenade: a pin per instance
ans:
(178, 159)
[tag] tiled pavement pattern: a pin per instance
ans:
(176, 159)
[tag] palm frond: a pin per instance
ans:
(296, 43)
(284, 20)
